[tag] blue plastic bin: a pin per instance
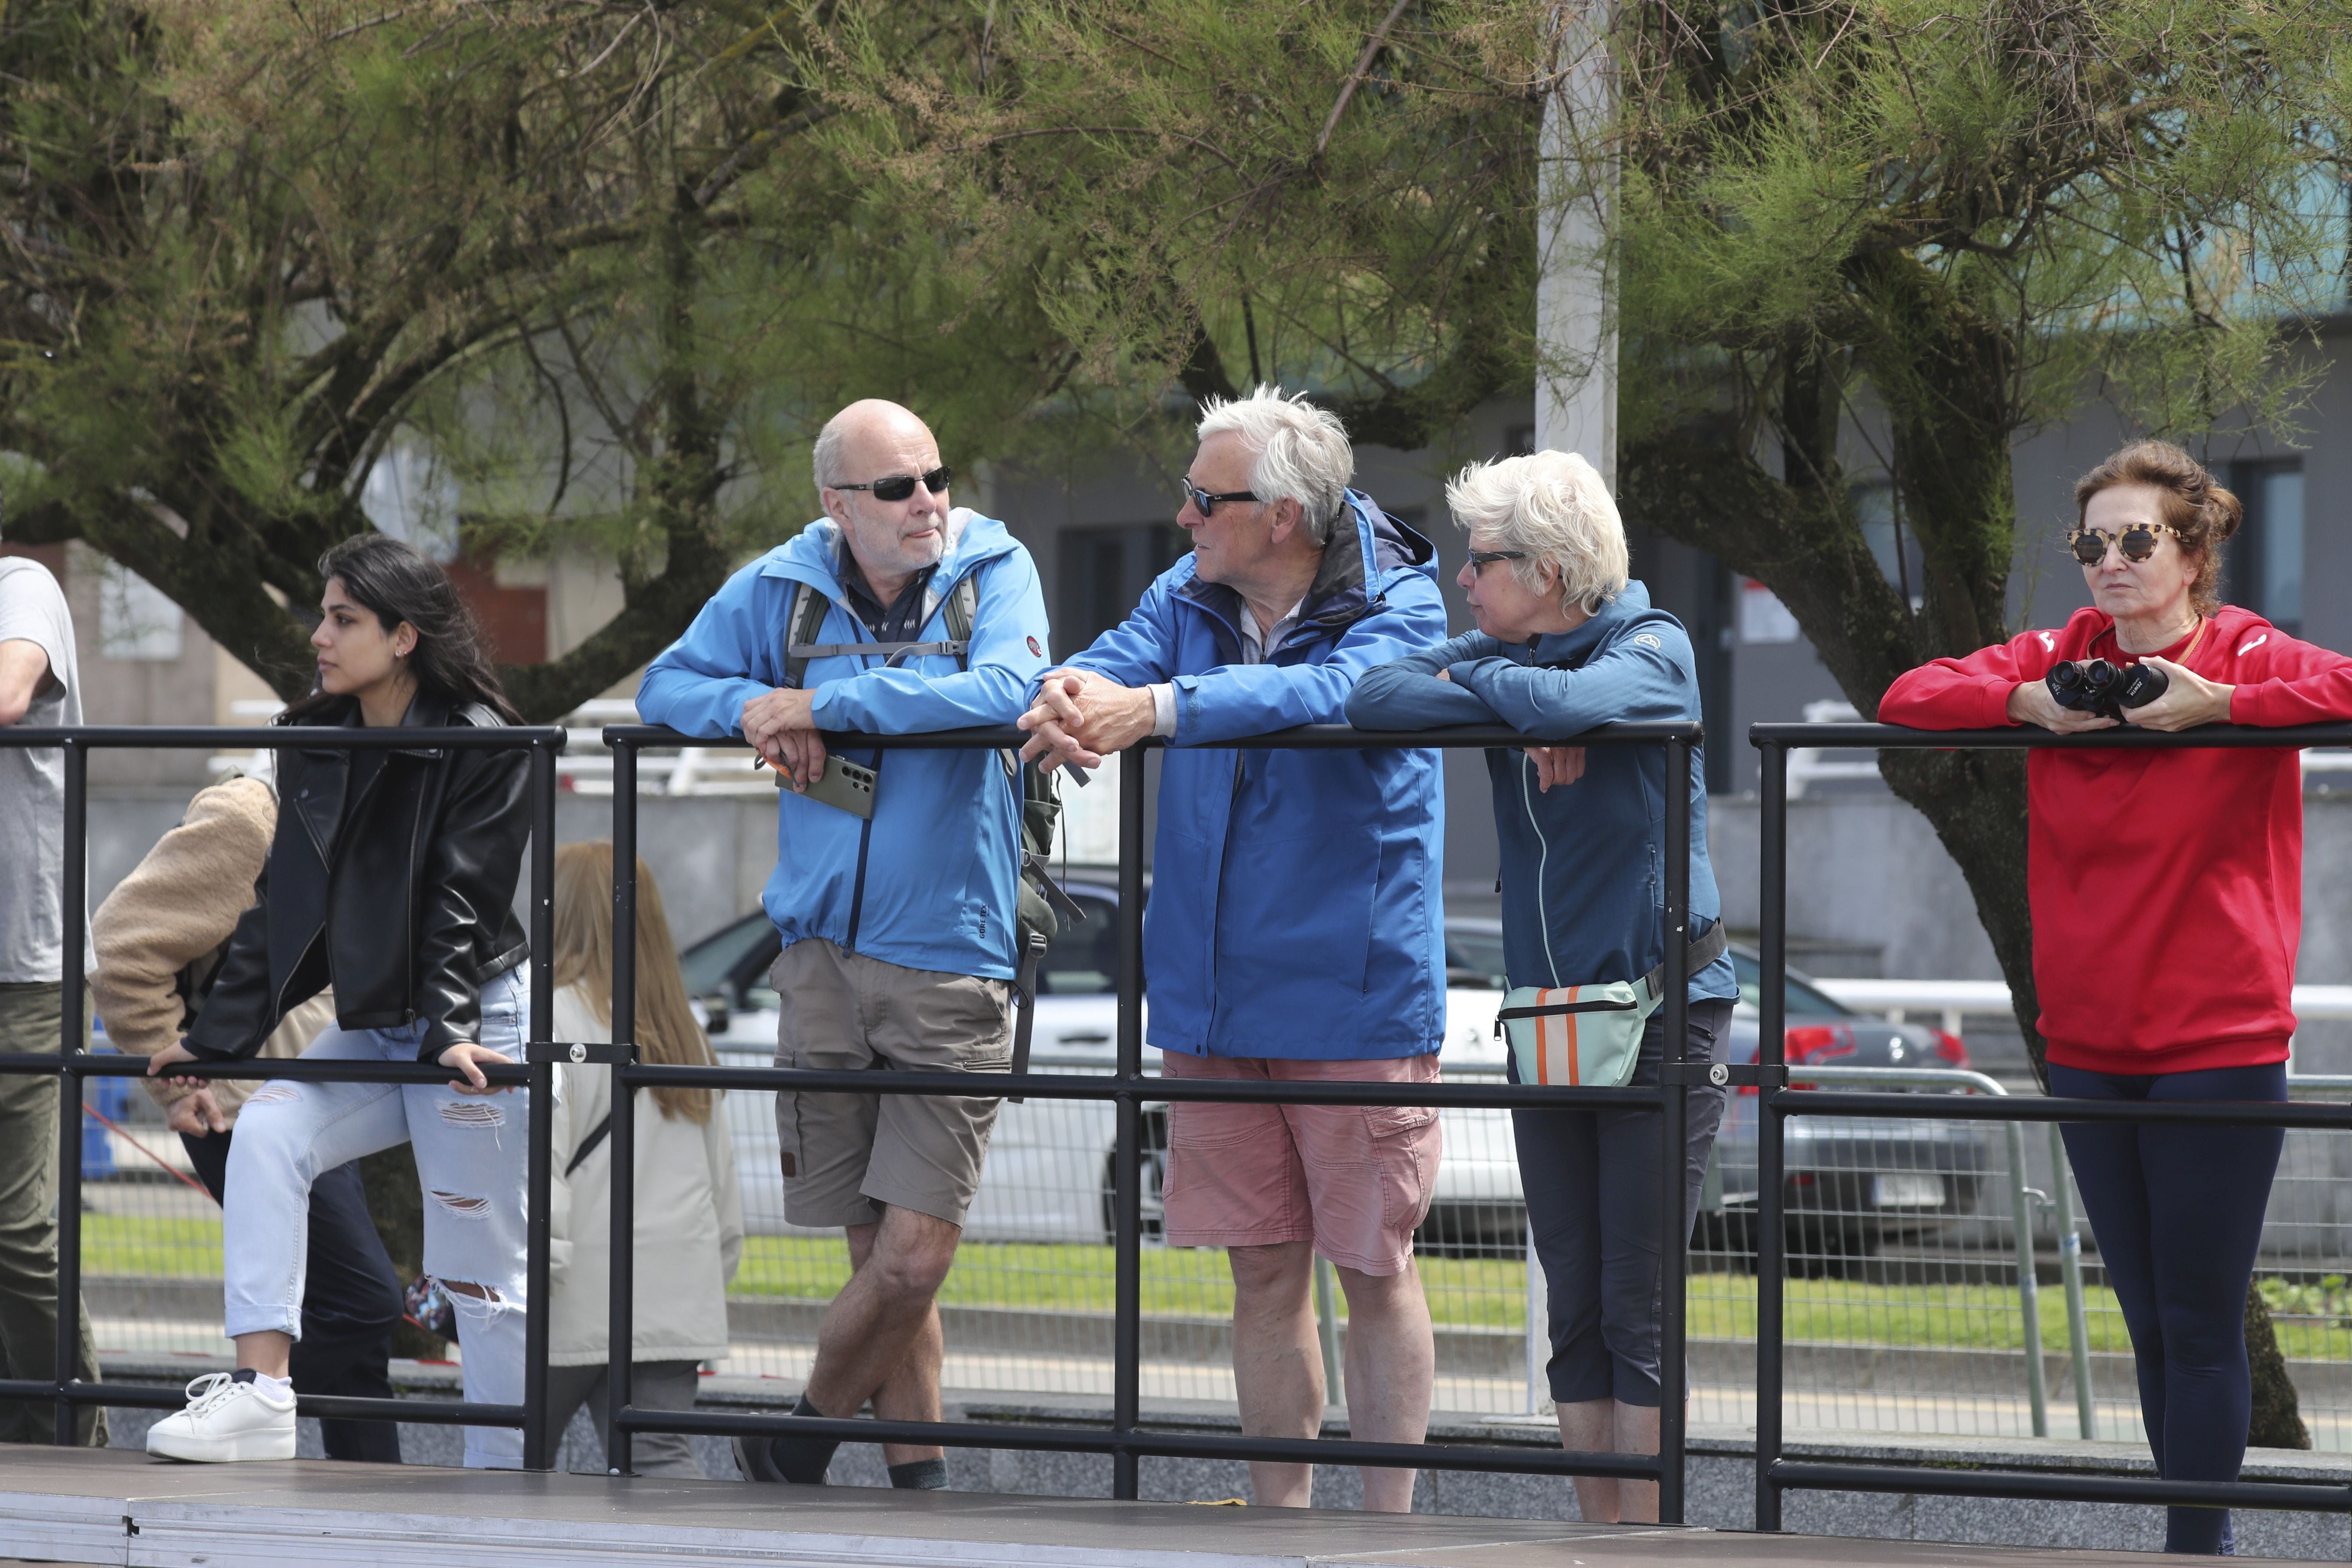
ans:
(110, 1097)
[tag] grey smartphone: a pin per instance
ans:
(843, 784)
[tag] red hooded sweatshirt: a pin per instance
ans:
(2166, 887)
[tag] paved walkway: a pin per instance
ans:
(113, 1508)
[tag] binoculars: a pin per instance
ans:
(2095, 686)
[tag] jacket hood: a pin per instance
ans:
(1367, 546)
(816, 554)
(1631, 607)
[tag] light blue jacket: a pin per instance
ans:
(1583, 881)
(1295, 906)
(928, 883)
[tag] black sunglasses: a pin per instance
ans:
(2137, 543)
(1482, 559)
(1205, 503)
(898, 487)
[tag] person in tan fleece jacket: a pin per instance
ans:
(157, 939)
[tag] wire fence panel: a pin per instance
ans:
(1903, 1306)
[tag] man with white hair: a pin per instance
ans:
(896, 882)
(1294, 932)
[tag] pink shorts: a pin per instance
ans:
(1355, 1180)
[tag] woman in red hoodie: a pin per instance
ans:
(2167, 891)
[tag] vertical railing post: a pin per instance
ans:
(69, 1043)
(538, 1443)
(2028, 1286)
(1772, 1057)
(621, 1305)
(1673, 1238)
(2070, 1265)
(1127, 1349)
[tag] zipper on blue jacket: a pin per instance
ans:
(865, 841)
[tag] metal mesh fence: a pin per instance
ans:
(1903, 1307)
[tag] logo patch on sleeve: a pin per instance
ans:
(1650, 640)
(1034, 648)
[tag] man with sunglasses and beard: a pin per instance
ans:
(894, 884)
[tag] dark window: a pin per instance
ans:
(1474, 960)
(2262, 568)
(1803, 1001)
(1103, 572)
(1518, 440)
(1083, 959)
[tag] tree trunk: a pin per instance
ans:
(2276, 1423)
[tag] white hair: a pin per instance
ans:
(825, 458)
(1301, 451)
(1552, 506)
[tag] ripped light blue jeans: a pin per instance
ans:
(472, 1161)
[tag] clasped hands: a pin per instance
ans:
(1080, 717)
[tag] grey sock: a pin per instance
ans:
(921, 1476)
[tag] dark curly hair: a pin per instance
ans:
(2201, 513)
(400, 582)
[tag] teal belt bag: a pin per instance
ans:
(1591, 1036)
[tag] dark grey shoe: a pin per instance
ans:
(801, 1461)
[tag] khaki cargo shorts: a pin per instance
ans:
(846, 1155)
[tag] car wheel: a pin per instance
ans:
(1828, 1247)
(1154, 1206)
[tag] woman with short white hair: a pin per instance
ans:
(1565, 642)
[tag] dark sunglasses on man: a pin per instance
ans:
(898, 487)
(1205, 502)
(2137, 543)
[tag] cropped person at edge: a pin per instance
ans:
(1295, 932)
(2182, 871)
(1566, 642)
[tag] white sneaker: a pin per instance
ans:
(225, 1421)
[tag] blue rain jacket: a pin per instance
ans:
(1584, 892)
(1295, 906)
(928, 883)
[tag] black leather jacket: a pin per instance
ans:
(406, 909)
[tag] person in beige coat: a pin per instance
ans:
(157, 939)
(690, 1210)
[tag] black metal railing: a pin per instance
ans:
(1128, 1439)
(1775, 1473)
(71, 1065)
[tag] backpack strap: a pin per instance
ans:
(590, 1144)
(963, 610)
(1024, 997)
(806, 616)
(891, 652)
(1704, 951)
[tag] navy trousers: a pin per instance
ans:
(351, 1300)
(2178, 1212)
(1593, 1191)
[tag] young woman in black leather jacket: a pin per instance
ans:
(392, 876)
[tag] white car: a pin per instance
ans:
(1048, 1176)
